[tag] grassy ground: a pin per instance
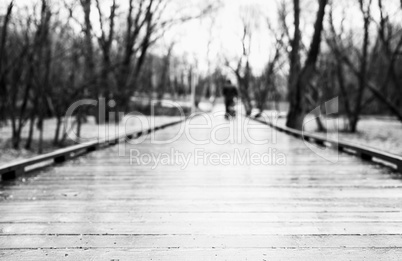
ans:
(383, 133)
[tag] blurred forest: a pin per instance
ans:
(325, 49)
(53, 53)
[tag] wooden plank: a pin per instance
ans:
(70, 201)
(102, 208)
(199, 241)
(199, 208)
(205, 228)
(201, 254)
(211, 193)
(124, 217)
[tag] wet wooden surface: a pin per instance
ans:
(101, 207)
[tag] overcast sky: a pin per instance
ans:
(223, 30)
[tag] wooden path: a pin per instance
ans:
(101, 207)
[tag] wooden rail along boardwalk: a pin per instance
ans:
(103, 207)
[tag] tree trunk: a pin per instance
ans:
(40, 143)
(3, 63)
(16, 139)
(56, 139)
(320, 126)
(362, 75)
(342, 87)
(28, 143)
(79, 124)
(296, 114)
(392, 108)
(298, 82)
(89, 54)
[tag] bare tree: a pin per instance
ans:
(300, 77)
(267, 83)
(105, 41)
(138, 24)
(144, 28)
(164, 80)
(3, 63)
(390, 51)
(39, 44)
(243, 69)
(90, 75)
(360, 71)
(28, 75)
(45, 54)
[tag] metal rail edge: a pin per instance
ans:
(363, 152)
(19, 168)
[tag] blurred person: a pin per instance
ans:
(230, 95)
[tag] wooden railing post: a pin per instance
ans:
(399, 167)
(92, 148)
(61, 159)
(13, 174)
(365, 156)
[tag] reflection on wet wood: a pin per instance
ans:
(102, 208)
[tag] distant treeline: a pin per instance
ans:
(51, 55)
(352, 50)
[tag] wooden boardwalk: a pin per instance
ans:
(101, 207)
